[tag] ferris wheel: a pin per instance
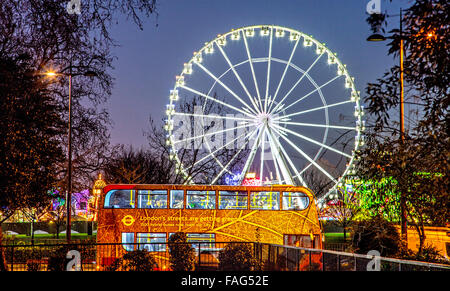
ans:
(266, 100)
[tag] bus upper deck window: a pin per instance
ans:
(119, 199)
(295, 201)
(176, 199)
(152, 199)
(232, 200)
(265, 200)
(200, 199)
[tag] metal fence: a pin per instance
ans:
(286, 258)
(266, 257)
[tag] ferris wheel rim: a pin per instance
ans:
(319, 46)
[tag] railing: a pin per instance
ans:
(286, 258)
(268, 257)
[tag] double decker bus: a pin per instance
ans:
(146, 216)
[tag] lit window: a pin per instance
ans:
(203, 240)
(128, 241)
(232, 200)
(302, 240)
(295, 201)
(152, 242)
(176, 199)
(119, 199)
(201, 199)
(265, 200)
(152, 199)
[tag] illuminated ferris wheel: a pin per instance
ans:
(279, 100)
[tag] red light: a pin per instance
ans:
(251, 182)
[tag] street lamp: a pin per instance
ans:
(378, 37)
(69, 147)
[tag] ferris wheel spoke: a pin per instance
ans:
(247, 135)
(269, 61)
(281, 162)
(252, 69)
(225, 87)
(208, 134)
(235, 73)
(308, 158)
(313, 141)
(211, 116)
(284, 73)
(313, 91)
(289, 176)
(232, 159)
(215, 100)
(275, 159)
(318, 125)
(311, 110)
(262, 154)
(298, 82)
(251, 155)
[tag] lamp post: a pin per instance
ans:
(69, 146)
(379, 37)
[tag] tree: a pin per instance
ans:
(376, 234)
(30, 151)
(415, 166)
(139, 260)
(72, 43)
(36, 36)
(182, 254)
(237, 257)
(343, 208)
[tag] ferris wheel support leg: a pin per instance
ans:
(251, 157)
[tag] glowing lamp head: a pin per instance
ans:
(50, 74)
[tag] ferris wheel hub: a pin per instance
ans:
(264, 118)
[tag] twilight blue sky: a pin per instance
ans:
(149, 60)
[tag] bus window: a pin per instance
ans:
(152, 242)
(152, 199)
(302, 240)
(232, 200)
(206, 239)
(265, 200)
(176, 199)
(119, 199)
(295, 201)
(128, 240)
(200, 199)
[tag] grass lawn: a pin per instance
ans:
(336, 237)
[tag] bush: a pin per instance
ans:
(139, 260)
(237, 257)
(57, 262)
(428, 254)
(33, 266)
(182, 254)
(375, 234)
